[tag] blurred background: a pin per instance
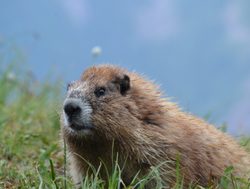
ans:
(199, 52)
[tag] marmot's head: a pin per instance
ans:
(109, 101)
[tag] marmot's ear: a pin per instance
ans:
(123, 83)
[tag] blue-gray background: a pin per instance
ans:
(198, 51)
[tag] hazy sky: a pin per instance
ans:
(199, 52)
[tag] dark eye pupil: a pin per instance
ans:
(100, 92)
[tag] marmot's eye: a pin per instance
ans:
(100, 91)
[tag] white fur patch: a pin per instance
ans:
(84, 117)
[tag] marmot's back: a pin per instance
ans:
(111, 107)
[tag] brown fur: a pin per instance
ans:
(147, 130)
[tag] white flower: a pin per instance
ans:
(96, 51)
(11, 76)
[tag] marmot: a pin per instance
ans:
(111, 110)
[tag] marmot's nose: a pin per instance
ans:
(72, 108)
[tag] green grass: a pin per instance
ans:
(31, 153)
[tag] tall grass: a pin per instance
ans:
(31, 153)
(29, 130)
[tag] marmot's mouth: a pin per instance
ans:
(80, 127)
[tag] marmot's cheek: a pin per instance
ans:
(86, 114)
